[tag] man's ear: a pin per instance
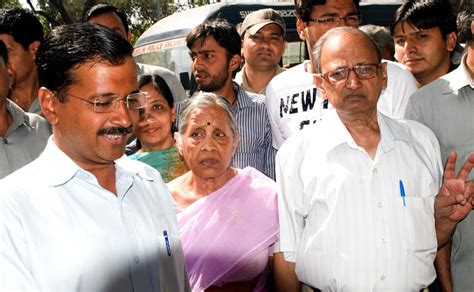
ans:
(318, 81)
(234, 63)
(301, 28)
(129, 36)
(11, 75)
(33, 48)
(49, 103)
(451, 41)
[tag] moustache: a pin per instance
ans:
(115, 131)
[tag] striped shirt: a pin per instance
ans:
(255, 148)
(343, 219)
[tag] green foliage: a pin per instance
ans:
(141, 13)
(9, 4)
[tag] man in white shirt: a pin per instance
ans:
(83, 217)
(355, 214)
(292, 99)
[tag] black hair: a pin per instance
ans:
(22, 25)
(464, 26)
(69, 46)
(99, 9)
(221, 30)
(159, 84)
(3, 52)
(426, 14)
(304, 7)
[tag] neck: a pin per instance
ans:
(364, 129)
(167, 143)
(228, 92)
(202, 187)
(6, 119)
(25, 93)
(442, 69)
(104, 172)
(470, 59)
(310, 68)
(258, 79)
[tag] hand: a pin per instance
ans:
(455, 198)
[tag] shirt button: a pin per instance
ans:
(382, 278)
(375, 170)
(136, 259)
(383, 240)
(379, 205)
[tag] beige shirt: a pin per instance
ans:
(241, 79)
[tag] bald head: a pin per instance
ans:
(345, 39)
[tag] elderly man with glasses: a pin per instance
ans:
(293, 102)
(83, 217)
(360, 203)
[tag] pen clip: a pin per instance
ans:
(167, 242)
(402, 193)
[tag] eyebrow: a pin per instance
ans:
(333, 14)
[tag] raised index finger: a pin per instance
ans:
(450, 166)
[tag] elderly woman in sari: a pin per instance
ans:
(154, 129)
(228, 217)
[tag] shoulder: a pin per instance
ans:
(399, 73)
(288, 76)
(252, 97)
(24, 182)
(416, 131)
(435, 88)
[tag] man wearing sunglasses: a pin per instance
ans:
(83, 217)
(357, 192)
(292, 99)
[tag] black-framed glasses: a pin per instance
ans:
(336, 20)
(110, 103)
(362, 71)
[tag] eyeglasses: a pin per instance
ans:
(340, 75)
(110, 103)
(336, 20)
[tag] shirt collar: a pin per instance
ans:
(60, 168)
(243, 98)
(390, 129)
(245, 83)
(460, 77)
(19, 116)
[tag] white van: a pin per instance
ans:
(164, 43)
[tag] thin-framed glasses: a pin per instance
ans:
(362, 71)
(110, 103)
(351, 20)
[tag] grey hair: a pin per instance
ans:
(203, 100)
(338, 31)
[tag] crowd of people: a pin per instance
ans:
(348, 172)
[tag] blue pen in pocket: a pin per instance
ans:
(167, 242)
(402, 193)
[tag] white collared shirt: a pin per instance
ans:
(61, 231)
(342, 218)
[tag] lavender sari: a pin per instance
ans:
(228, 235)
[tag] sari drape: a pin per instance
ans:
(228, 235)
